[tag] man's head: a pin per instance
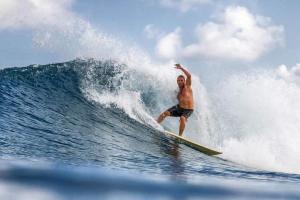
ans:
(181, 81)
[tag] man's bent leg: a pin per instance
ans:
(162, 116)
(182, 125)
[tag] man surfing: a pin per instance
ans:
(185, 106)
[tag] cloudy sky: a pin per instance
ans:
(211, 33)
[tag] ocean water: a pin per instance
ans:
(85, 129)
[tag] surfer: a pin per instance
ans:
(185, 106)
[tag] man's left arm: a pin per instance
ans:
(188, 75)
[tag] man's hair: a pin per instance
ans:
(181, 76)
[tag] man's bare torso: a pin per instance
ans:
(185, 98)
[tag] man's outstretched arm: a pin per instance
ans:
(188, 75)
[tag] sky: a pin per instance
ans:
(205, 35)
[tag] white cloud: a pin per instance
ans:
(238, 35)
(169, 46)
(290, 75)
(52, 21)
(184, 5)
(57, 28)
(15, 14)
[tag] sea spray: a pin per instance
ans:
(144, 92)
(258, 117)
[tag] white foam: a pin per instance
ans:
(258, 119)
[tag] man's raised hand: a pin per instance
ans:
(178, 66)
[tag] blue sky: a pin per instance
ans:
(247, 34)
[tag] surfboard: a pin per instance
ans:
(193, 144)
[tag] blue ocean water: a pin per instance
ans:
(57, 142)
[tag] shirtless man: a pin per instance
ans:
(185, 106)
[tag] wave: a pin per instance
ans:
(87, 111)
(72, 104)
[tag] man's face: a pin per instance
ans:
(180, 82)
